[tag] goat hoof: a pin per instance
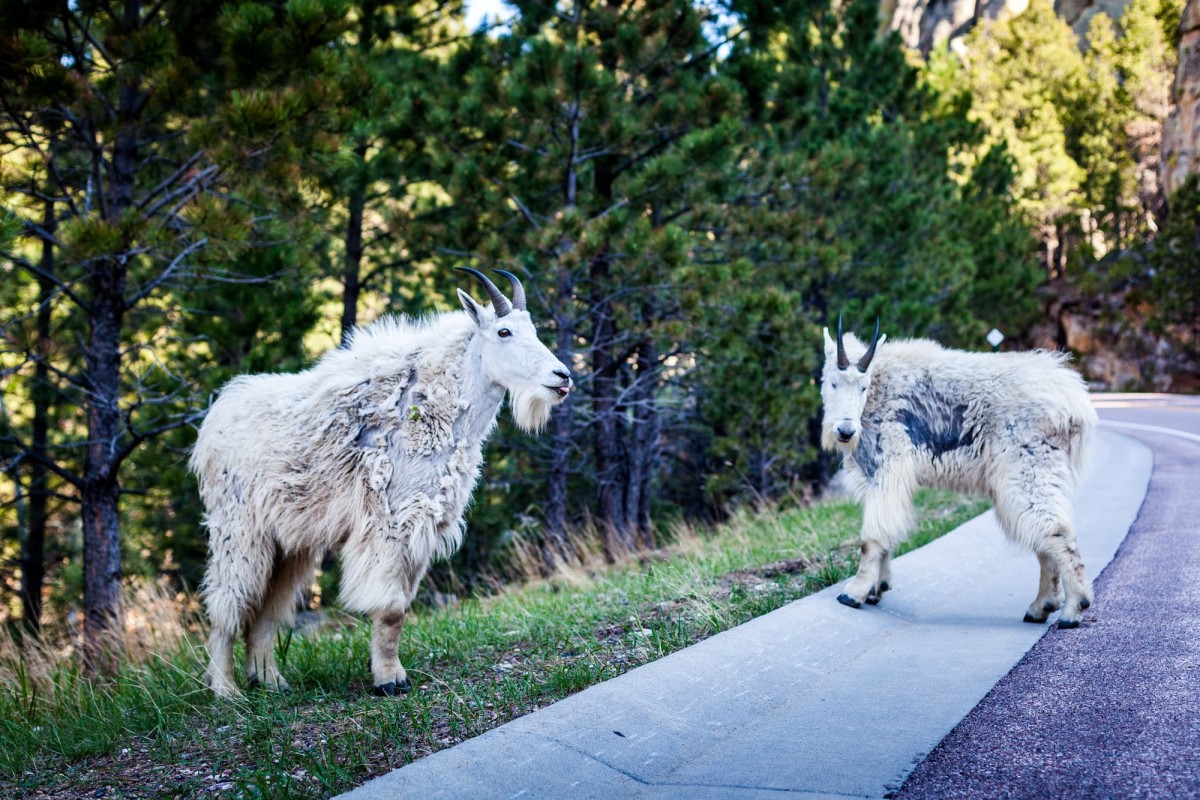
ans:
(1085, 604)
(1068, 623)
(883, 587)
(872, 600)
(1035, 620)
(281, 688)
(393, 688)
(847, 600)
(1049, 606)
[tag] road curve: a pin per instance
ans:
(1111, 710)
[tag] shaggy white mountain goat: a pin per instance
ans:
(374, 452)
(1010, 425)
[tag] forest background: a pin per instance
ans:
(689, 190)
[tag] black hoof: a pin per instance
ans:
(392, 688)
(1049, 607)
(872, 599)
(883, 587)
(258, 685)
(847, 600)
(1085, 604)
(1035, 620)
(1065, 623)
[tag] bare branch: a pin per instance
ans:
(137, 437)
(26, 451)
(193, 185)
(28, 266)
(525, 212)
(174, 176)
(163, 276)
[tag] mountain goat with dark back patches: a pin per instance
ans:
(1010, 425)
(374, 451)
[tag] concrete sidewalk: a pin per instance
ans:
(815, 699)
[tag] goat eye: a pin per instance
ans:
(504, 333)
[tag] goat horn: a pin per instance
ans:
(518, 300)
(499, 301)
(865, 361)
(843, 361)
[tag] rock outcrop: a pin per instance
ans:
(924, 24)
(1181, 131)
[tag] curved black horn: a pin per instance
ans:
(499, 301)
(518, 300)
(843, 361)
(865, 361)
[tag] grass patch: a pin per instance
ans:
(154, 730)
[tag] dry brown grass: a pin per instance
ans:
(158, 619)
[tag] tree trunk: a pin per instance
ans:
(357, 200)
(103, 616)
(606, 426)
(355, 204)
(562, 425)
(33, 559)
(643, 456)
(554, 544)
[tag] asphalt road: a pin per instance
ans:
(817, 700)
(1111, 710)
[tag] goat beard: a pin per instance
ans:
(531, 408)
(829, 441)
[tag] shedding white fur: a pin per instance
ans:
(1013, 426)
(373, 452)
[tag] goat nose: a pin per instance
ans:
(845, 430)
(562, 373)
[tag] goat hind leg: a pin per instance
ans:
(1049, 596)
(219, 674)
(288, 578)
(1063, 549)
(232, 587)
(225, 614)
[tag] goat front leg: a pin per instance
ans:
(885, 578)
(386, 670)
(887, 519)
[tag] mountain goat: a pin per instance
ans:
(373, 452)
(1010, 425)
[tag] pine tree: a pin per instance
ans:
(385, 193)
(848, 205)
(159, 140)
(583, 138)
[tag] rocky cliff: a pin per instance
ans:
(923, 24)
(1182, 128)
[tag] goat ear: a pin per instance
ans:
(471, 306)
(830, 344)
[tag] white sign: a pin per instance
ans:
(995, 337)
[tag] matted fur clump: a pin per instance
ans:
(1013, 426)
(373, 452)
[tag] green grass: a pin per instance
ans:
(154, 731)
